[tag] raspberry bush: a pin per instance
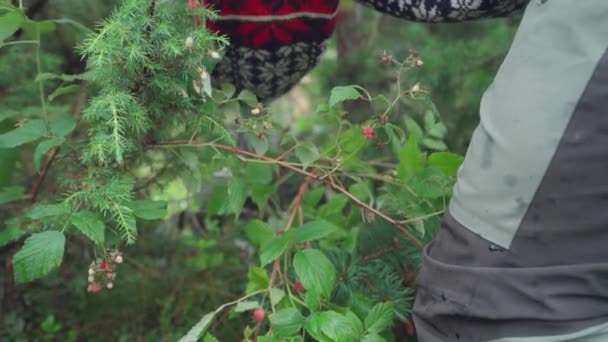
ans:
(324, 214)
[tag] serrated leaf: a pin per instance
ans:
(261, 193)
(338, 327)
(35, 28)
(438, 131)
(373, 338)
(248, 97)
(315, 271)
(312, 299)
(91, 225)
(63, 125)
(411, 159)
(237, 194)
(379, 318)
(314, 325)
(200, 328)
(257, 279)
(43, 148)
(41, 211)
(149, 210)
(30, 131)
(10, 233)
(9, 24)
(258, 232)
(413, 128)
(258, 173)
(434, 144)
(276, 295)
(307, 153)
(343, 93)
(11, 193)
(69, 89)
(41, 253)
(448, 163)
(247, 305)
(272, 249)
(311, 231)
(260, 144)
(286, 322)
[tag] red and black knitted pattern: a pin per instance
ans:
(273, 43)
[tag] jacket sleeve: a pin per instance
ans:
(446, 10)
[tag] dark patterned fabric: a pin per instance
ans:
(446, 10)
(274, 43)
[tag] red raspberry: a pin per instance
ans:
(259, 314)
(192, 4)
(369, 133)
(298, 287)
(94, 288)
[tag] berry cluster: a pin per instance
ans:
(103, 271)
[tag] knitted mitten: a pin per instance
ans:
(273, 43)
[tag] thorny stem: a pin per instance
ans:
(295, 209)
(45, 171)
(327, 180)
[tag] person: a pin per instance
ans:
(521, 255)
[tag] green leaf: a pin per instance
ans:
(7, 166)
(307, 153)
(258, 232)
(41, 211)
(200, 328)
(315, 271)
(11, 193)
(311, 231)
(149, 210)
(339, 327)
(286, 322)
(438, 131)
(258, 279)
(237, 194)
(448, 163)
(91, 225)
(43, 148)
(9, 24)
(30, 131)
(34, 28)
(373, 338)
(413, 128)
(411, 159)
(379, 318)
(272, 249)
(11, 233)
(258, 173)
(314, 327)
(249, 98)
(276, 295)
(40, 254)
(247, 305)
(63, 126)
(343, 93)
(434, 144)
(69, 89)
(259, 144)
(261, 193)
(313, 299)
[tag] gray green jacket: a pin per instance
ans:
(523, 251)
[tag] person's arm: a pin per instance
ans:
(446, 10)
